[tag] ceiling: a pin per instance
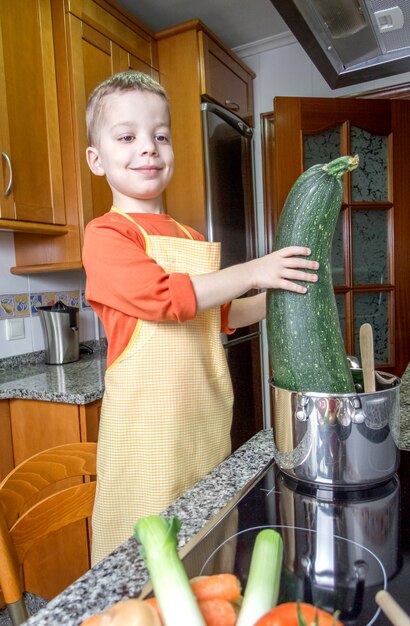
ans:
(236, 22)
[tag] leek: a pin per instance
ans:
(262, 587)
(170, 582)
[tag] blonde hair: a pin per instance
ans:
(122, 81)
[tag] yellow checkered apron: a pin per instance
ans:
(167, 407)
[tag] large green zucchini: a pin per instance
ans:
(305, 342)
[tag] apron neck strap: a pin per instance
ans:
(114, 209)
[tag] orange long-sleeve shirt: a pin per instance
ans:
(124, 284)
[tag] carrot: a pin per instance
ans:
(217, 612)
(217, 586)
(214, 595)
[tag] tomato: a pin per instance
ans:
(287, 615)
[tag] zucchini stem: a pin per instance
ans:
(341, 165)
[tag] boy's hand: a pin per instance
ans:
(279, 269)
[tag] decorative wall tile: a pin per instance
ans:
(84, 303)
(36, 300)
(74, 298)
(49, 299)
(70, 298)
(21, 305)
(6, 306)
(62, 297)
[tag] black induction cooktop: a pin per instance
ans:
(340, 547)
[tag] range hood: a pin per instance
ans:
(351, 41)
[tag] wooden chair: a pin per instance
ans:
(23, 522)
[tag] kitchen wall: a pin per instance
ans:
(282, 68)
(19, 296)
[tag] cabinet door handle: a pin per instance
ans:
(234, 106)
(10, 183)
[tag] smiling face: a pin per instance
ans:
(133, 149)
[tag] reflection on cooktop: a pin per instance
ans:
(340, 548)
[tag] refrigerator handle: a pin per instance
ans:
(224, 338)
(246, 130)
(234, 342)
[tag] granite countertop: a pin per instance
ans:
(405, 410)
(30, 378)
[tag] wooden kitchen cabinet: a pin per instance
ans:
(218, 74)
(102, 40)
(224, 79)
(34, 426)
(31, 173)
(196, 66)
(93, 39)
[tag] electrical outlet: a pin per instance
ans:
(15, 329)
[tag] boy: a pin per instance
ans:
(157, 288)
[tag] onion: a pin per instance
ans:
(125, 613)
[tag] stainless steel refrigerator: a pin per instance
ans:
(230, 204)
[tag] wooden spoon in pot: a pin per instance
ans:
(392, 609)
(367, 355)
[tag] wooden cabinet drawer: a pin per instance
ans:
(224, 79)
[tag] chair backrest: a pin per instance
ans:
(31, 510)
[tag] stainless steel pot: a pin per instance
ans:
(338, 440)
(340, 547)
